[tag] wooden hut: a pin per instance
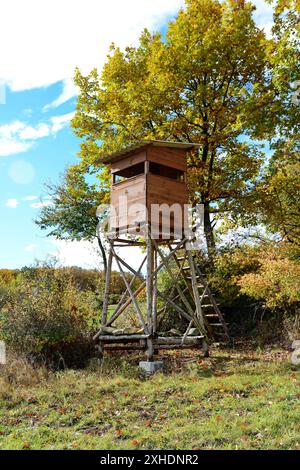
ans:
(143, 175)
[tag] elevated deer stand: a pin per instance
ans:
(145, 175)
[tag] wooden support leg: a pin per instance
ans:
(205, 349)
(150, 349)
(149, 284)
(154, 300)
(107, 289)
(105, 304)
(100, 351)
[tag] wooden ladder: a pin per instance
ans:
(215, 324)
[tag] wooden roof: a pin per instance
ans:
(119, 154)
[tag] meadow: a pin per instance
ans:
(236, 399)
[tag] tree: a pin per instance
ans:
(279, 191)
(201, 83)
(72, 213)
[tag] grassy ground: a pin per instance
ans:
(232, 400)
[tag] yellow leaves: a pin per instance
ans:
(276, 281)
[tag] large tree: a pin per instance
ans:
(73, 209)
(203, 82)
(279, 191)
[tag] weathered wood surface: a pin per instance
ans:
(133, 298)
(173, 157)
(128, 161)
(122, 337)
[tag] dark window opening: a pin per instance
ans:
(166, 171)
(129, 172)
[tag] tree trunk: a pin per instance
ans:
(209, 233)
(100, 244)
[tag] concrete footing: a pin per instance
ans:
(295, 358)
(150, 367)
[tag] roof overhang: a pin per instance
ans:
(118, 155)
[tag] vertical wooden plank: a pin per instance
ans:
(149, 284)
(154, 307)
(107, 288)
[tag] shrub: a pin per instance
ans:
(49, 319)
(276, 282)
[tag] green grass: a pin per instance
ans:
(111, 310)
(229, 401)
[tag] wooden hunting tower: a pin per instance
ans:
(146, 177)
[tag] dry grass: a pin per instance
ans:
(232, 400)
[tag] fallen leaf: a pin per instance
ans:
(119, 432)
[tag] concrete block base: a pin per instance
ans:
(151, 367)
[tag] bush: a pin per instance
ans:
(46, 318)
(276, 281)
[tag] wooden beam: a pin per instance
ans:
(107, 289)
(174, 305)
(122, 337)
(136, 306)
(126, 304)
(124, 295)
(178, 288)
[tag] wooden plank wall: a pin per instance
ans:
(149, 189)
(134, 189)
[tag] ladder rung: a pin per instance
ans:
(209, 315)
(217, 324)
(181, 258)
(185, 268)
(208, 305)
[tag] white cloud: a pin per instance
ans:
(29, 198)
(86, 254)
(11, 147)
(12, 203)
(38, 205)
(9, 144)
(17, 136)
(33, 133)
(59, 122)
(69, 90)
(54, 36)
(50, 38)
(76, 253)
(30, 248)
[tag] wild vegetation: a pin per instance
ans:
(215, 79)
(235, 400)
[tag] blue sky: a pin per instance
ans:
(37, 146)
(42, 47)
